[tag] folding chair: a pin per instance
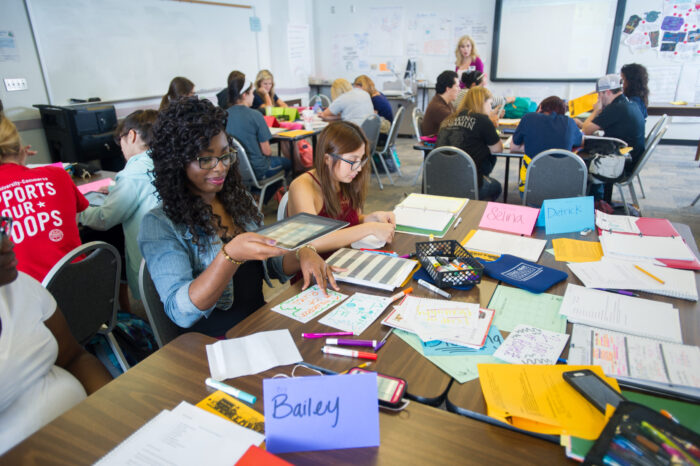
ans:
(553, 174)
(449, 171)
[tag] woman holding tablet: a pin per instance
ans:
(337, 187)
(207, 266)
(467, 57)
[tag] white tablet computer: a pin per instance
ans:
(295, 231)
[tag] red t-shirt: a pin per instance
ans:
(43, 203)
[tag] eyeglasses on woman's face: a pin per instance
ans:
(354, 164)
(209, 163)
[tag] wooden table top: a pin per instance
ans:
(425, 382)
(419, 434)
(467, 397)
(659, 109)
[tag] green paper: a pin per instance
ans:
(424, 232)
(514, 306)
(461, 368)
(688, 414)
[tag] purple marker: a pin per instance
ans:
(626, 293)
(321, 335)
(342, 341)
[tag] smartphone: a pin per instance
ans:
(5, 227)
(390, 390)
(593, 388)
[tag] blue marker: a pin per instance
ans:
(234, 392)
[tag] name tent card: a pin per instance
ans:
(321, 412)
(568, 215)
(509, 218)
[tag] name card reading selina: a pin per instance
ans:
(568, 215)
(509, 218)
(321, 412)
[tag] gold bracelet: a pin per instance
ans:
(229, 258)
(304, 246)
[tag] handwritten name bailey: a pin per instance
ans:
(306, 408)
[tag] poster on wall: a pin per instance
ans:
(350, 52)
(8, 47)
(673, 30)
(299, 50)
(429, 35)
(386, 31)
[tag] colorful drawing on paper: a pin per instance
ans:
(443, 348)
(357, 313)
(532, 345)
(671, 32)
(308, 304)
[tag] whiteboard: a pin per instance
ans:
(129, 49)
(576, 35)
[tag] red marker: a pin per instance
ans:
(348, 352)
(400, 294)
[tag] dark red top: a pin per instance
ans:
(347, 214)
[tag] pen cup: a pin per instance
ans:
(451, 249)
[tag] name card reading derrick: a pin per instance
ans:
(567, 215)
(321, 412)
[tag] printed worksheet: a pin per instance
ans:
(309, 304)
(532, 345)
(357, 313)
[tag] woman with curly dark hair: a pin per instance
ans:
(207, 266)
(635, 81)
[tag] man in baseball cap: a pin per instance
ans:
(617, 117)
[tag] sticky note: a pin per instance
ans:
(95, 185)
(509, 218)
(321, 412)
(568, 215)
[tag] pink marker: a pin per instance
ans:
(332, 334)
(343, 341)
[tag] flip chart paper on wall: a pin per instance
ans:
(321, 412)
(509, 218)
(568, 215)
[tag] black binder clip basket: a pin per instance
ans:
(451, 249)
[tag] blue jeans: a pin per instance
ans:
(490, 189)
(275, 164)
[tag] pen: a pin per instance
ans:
(350, 353)
(381, 343)
(652, 276)
(562, 360)
(434, 288)
(331, 334)
(234, 392)
(400, 294)
(626, 293)
(459, 220)
(380, 251)
(360, 366)
(666, 443)
(343, 341)
(322, 370)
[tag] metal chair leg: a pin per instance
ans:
(420, 171)
(634, 198)
(386, 169)
(696, 200)
(376, 173)
(117, 351)
(624, 201)
(641, 188)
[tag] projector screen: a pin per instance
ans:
(555, 40)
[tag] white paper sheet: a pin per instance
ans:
(637, 316)
(503, 243)
(357, 313)
(652, 247)
(531, 345)
(251, 354)
(186, 435)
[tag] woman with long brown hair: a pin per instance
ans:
(337, 187)
(179, 87)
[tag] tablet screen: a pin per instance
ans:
(294, 232)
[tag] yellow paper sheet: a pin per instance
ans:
(538, 399)
(582, 104)
(575, 250)
(294, 133)
(228, 407)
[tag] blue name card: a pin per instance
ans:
(321, 412)
(568, 215)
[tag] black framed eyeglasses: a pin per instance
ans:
(6, 227)
(209, 163)
(354, 166)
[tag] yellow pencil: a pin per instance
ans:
(364, 364)
(652, 276)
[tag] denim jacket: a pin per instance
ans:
(174, 261)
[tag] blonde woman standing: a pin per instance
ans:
(467, 58)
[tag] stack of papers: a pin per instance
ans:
(492, 242)
(623, 275)
(634, 225)
(186, 435)
(459, 323)
(637, 316)
(424, 214)
(369, 269)
(638, 361)
(631, 247)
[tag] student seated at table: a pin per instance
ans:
(133, 193)
(207, 266)
(349, 103)
(547, 128)
(222, 95)
(470, 128)
(475, 78)
(635, 86)
(43, 370)
(44, 202)
(381, 104)
(264, 95)
(179, 87)
(249, 128)
(337, 187)
(440, 106)
(467, 57)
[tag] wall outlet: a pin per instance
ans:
(15, 84)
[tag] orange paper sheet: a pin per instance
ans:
(574, 250)
(538, 399)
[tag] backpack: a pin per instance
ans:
(520, 107)
(602, 156)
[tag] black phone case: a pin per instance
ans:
(571, 381)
